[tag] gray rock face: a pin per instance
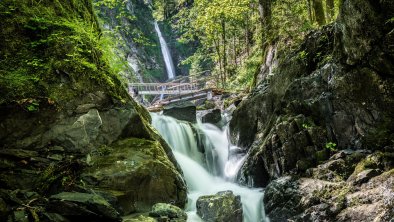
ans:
(184, 111)
(80, 133)
(221, 207)
(330, 194)
(289, 121)
(213, 117)
(310, 108)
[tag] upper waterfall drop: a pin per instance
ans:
(166, 53)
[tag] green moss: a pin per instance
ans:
(52, 49)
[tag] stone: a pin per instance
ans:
(75, 136)
(281, 198)
(183, 111)
(213, 117)
(160, 210)
(365, 175)
(221, 207)
(139, 174)
(82, 204)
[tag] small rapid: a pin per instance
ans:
(202, 151)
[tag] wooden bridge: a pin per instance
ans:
(164, 88)
(171, 92)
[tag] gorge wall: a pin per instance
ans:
(334, 93)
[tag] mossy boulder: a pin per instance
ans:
(221, 207)
(164, 211)
(138, 173)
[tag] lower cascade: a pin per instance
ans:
(202, 151)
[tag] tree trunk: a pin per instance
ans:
(224, 51)
(217, 49)
(330, 9)
(319, 12)
(310, 11)
(265, 19)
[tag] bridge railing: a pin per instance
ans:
(163, 88)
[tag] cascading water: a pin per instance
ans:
(207, 173)
(166, 53)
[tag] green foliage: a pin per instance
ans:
(290, 22)
(53, 49)
(228, 30)
(33, 106)
(331, 146)
(246, 72)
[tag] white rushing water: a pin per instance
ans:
(210, 173)
(166, 53)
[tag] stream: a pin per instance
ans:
(208, 172)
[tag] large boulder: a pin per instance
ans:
(185, 111)
(138, 173)
(221, 207)
(212, 116)
(330, 194)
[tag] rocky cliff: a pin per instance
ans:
(334, 93)
(73, 144)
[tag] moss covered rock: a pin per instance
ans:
(138, 173)
(221, 207)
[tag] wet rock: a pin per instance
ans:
(82, 205)
(173, 213)
(139, 174)
(222, 207)
(182, 111)
(213, 117)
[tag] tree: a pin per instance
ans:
(330, 9)
(319, 12)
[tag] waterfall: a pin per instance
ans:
(202, 151)
(166, 53)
